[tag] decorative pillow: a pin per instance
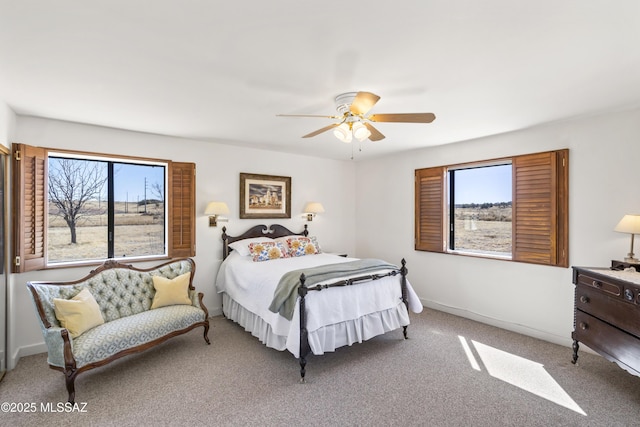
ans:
(283, 240)
(264, 251)
(314, 240)
(78, 314)
(171, 291)
(299, 246)
(242, 246)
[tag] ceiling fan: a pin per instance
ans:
(352, 110)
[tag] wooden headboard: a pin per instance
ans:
(273, 231)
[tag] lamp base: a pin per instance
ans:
(631, 259)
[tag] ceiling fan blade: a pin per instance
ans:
(404, 118)
(363, 102)
(375, 134)
(319, 131)
(308, 115)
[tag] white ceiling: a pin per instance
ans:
(221, 70)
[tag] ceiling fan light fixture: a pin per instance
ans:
(360, 131)
(356, 121)
(343, 133)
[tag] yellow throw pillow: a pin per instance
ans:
(78, 314)
(171, 291)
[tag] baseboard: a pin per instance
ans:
(514, 327)
(215, 312)
(24, 351)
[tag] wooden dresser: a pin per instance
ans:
(607, 315)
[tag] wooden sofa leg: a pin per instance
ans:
(70, 378)
(206, 333)
(70, 371)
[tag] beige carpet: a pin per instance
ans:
(451, 372)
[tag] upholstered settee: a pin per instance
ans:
(114, 311)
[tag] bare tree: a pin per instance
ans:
(157, 191)
(73, 183)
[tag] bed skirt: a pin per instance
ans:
(324, 339)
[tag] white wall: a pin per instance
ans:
(604, 155)
(7, 129)
(535, 300)
(218, 167)
(7, 124)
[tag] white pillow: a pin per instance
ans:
(242, 246)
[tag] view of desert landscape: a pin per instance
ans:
(137, 233)
(485, 228)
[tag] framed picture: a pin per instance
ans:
(265, 196)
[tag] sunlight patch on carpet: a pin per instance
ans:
(520, 372)
(467, 350)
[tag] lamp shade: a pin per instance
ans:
(343, 133)
(216, 208)
(313, 207)
(360, 131)
(629, 224)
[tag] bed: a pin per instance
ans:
(283, 289)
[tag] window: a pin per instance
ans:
(465, 209)
(78, 208)
(480, 209)
(101, 209)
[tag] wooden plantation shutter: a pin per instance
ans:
(429, 209)
(30, 213)
(29, 210)
(540, 208)
(182, 228)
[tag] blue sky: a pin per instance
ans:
(482, 185)
(129, 181)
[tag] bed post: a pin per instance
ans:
(304, 337)
(225, 243)
(403, 282)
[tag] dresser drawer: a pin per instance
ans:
(615, 310)
(606, 339)
(603, 285)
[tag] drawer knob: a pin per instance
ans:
(597, 284)
(584, 299)
(628, 294)
(584, 326)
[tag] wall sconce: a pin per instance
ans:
(311, 209)
(629, 224)
(213, 210)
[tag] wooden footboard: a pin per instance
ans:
(305, 348)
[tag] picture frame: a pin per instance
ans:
(264, 196)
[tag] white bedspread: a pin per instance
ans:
(252, 285)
